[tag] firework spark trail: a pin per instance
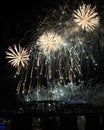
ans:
(21, 86)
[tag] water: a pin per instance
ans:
(5, 124)
(60, 123)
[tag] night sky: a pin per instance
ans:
(15, 19)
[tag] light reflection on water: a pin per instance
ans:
(5, 123)
(80, 123)
(37, 128)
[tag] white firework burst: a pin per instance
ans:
(49, 42)
(86, 17)
(18, 56)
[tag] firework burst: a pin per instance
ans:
(86, 17)
(49, 42)
(18, 56)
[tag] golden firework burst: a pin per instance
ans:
(18, 56)
(49, 42)
(86, 17)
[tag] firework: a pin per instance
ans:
(86, 17)
(17, 56)
(49, 42)
(59, 54)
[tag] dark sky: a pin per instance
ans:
(13, 18)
